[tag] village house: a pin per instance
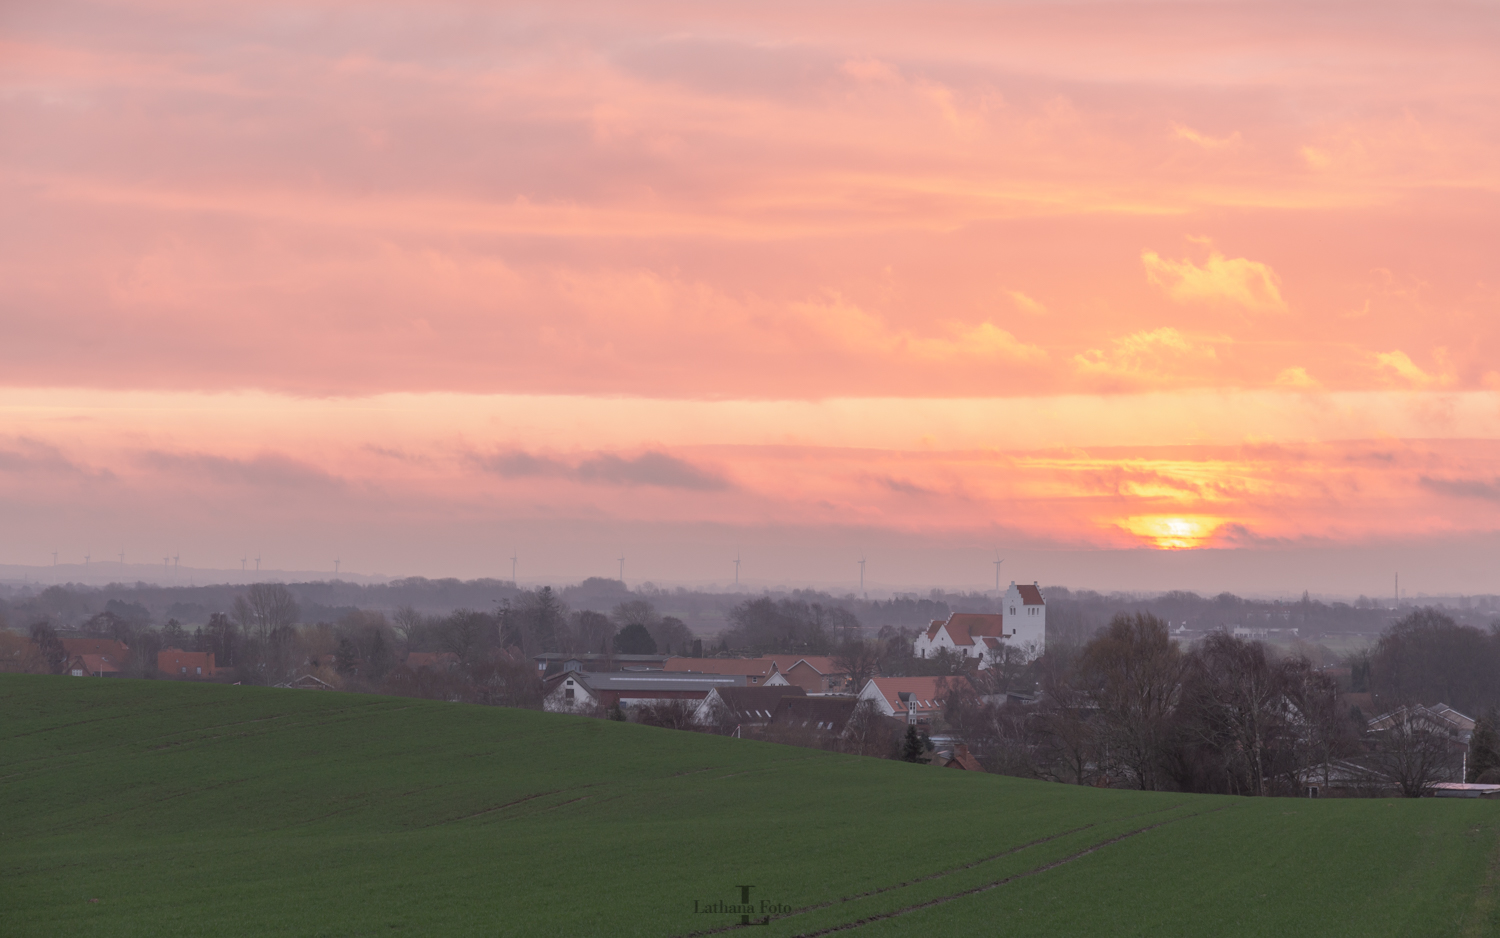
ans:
(94, 666)
(591, 691)
(1021, 624)
(961, 758)
(735, 708)
(307, 682)
(107, 647)
(916, 699)
(174, 662)
(816, 674)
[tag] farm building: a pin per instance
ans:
(756, 671)
(587, 691)
(554, 661)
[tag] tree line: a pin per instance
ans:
(1131, 708)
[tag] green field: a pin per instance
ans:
(155, 808)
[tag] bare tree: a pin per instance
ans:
(1008, 664)
(1067, 734)
(858, 660)
(1414, 751)
(20, 655)
(264, 608)
(670, 633)
(50, 646)
(1235, 704)
(869, 732)
(671, 714)
(1132, 671)
(593, 633)
(634, 612)
(1426, 657)
(411, 626)
(463, 634)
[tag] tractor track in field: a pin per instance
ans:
(941, 900)
(113, 815)
(517, 801)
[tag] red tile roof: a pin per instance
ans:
(1030, 595)
(95, 664)
(177, 661)
(925, 690)
(932, 629)
(823, 664)
(95, 646)
(964, 627)
(963, 759)
(762, 667)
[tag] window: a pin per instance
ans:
(198, 670)
(568, 694)
(184, 670)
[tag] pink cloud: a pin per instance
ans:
(731, 204)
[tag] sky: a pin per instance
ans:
(1198, 295)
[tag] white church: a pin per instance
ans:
(1021, 623)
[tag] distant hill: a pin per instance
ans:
(157, 808)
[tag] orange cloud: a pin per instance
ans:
(1203, 140)
(1250, 284)
(1398, 367)
(1157, 356)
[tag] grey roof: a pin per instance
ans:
(640, 681)
(758, 702)
(595, 656)
(804, 712)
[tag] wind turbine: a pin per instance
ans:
(861, 575)
(257, 563)
(736, 568)
(122, 556)
(997, 562)
(622, 569)
(86, 560)
(54, 558)
(335, 567)
(243, 561)
(512, 569)
(176, 565)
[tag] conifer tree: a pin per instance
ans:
(1484, 746)
(911, 747)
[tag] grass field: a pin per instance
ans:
(156, 808)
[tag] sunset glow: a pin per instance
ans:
(423, 284)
